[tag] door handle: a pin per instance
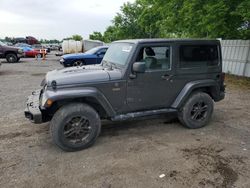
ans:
(166, 77)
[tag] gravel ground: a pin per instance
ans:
(128, 154)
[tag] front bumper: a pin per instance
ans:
(62, 61)
(21, 55)
(32, 110)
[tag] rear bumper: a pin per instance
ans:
(222, 95)
(219, 97)
(32, 110)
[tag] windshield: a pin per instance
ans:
(92, 51)
(118, 53)
(2, 44)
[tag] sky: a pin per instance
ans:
(51, 19)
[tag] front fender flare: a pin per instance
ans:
(75, 93)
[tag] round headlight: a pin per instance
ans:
(44, 100)
(20, 51)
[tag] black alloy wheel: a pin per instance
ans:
(77, 130)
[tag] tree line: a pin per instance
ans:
(47, 41)
(226, 19)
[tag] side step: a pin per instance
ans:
(133, 115)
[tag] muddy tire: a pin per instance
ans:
(75, 126)
(11, 58)
(197, 111)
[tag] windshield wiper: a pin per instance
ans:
(109, 64)
(105, 63)
(114, 65)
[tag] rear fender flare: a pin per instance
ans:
(190, 87)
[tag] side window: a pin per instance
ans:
(155, 58)
(102, 51)
(192, 56)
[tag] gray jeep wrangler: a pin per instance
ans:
(136, 78)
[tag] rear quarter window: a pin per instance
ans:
(192, 56)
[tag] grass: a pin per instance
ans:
(237, 81)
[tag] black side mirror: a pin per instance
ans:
(139, 67)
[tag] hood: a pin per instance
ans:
(81, 75)
(77, 55)
(11, 48)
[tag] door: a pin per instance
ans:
(154, 88)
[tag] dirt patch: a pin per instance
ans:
(14, 135)
(38, 74)
(173, 173)
(237, 81)
(127, 154)
(211, 160)
(11, 72)
(228, 174)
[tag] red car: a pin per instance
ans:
(30, 52)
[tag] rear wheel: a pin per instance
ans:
(75, 127)
(11, 58)
(197, 111)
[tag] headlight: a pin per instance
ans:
(62, 60)
(20, 51)
(44, 100)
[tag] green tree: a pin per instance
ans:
(77, 37)
(110, 34)
(96, 36)
(199, 18)
(181, 18)
(8, 39)
(243, 11)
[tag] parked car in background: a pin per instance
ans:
(12, 54)
(21, 45)
(8, 43)
(55, 47)
(30, 52)
(40, 47)
(92, 56)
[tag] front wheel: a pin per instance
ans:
(75, 127)
(11, 58)
(197, 111)
(78, 63)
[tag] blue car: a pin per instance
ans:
(92, 56)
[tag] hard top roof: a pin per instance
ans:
(136, 41)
